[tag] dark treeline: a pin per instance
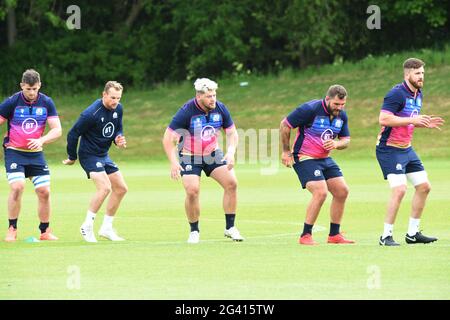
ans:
(143, 42)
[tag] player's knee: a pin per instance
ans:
(231, 186)
(121, 190)
(424, 188)
(43, 193)
(320, 195)
(192, 192)
(17, 189)
(105, 190)
(342, 193)
(399, 192)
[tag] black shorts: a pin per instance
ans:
(316, 170)
(92, 163)
(195, 164)
(32, 164)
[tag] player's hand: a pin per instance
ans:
(287, 159)
(68, 162)
(120, 141)
(229, 158)
(329, 144)
(175, 170)
(422, 121)
(436, 122)
(35, 144)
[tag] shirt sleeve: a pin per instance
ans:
(345, 132)
(120, 128)
(180, 120)
(393, 102)
(51, 108)
(6, 108)
(227, 122)
(301, 116)
(82, 125)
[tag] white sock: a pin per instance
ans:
(388, 230)
(90, 217)
(413, 227)
(107, 221)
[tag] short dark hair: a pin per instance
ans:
(413, 63)
(31, 77)
(337, 90)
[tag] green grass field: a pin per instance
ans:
(157, 263)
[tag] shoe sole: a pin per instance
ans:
(229, 237)
(420, 242)
(105, 237)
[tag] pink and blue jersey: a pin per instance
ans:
(198, 130)
(26, 120)
(314, 127)
(401, 102)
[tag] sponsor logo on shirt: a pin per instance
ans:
(208, 133)
(414, 113)
(108, 130)
(326, 135)
(29, 125)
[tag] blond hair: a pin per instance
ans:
(113, 84)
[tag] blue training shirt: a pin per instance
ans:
(198, 130)
(315, 126)
(26, 120)
(401, 102)
(98, 127)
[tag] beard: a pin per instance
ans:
(416, 84)
(332, 112)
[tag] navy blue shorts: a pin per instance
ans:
(398, 161)
(98, 164)
(316, 170)
(32, 164)
(195, 164)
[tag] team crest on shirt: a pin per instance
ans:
(419, 102)
(216, 117)
(197, 122)
(338, 123)
(115, 115)
(39, 111)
